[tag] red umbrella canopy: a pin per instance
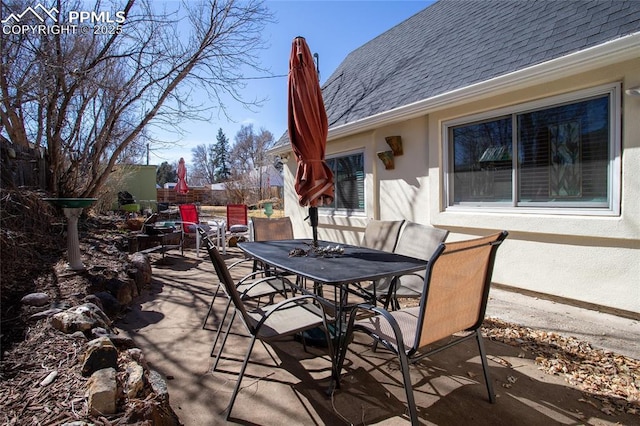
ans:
(181, 187)
(308, 128)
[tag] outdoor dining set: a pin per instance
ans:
(299, 285)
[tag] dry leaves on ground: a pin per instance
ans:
(610, 377)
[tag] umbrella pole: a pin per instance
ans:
(313, 218)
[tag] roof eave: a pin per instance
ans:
(614, 51)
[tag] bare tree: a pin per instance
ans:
(203, 170)
(88, 98)
(249, 156)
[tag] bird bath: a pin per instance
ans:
(268, 209)
(72, 208)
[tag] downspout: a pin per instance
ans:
(375, 184)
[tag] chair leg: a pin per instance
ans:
(408, 388)
(224, 341)
(485, 367)
(240, 375)
(220, 327)
(204, 324)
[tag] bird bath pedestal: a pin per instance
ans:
(72, 208)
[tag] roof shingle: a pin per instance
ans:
(456, 43)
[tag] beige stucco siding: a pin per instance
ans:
(594, 259)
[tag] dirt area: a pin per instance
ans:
(33, 260)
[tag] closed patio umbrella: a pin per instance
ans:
(308, 128)
(181, 186)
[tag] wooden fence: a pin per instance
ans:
(23, 166)
(195, 195)
(207, 196)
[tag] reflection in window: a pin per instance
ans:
(482, 161)
(558, 156)
(348, 175)
(565, 152)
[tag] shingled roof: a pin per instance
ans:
(455, 43)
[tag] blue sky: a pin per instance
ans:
(332, 29)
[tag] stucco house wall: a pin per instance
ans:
(593, 259)
(545, 49)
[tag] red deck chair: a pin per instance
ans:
(237, 220)
(191, 222)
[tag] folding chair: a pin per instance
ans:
(269, 323)
(454, 299)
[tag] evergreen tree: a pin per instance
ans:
(220, 157)
(166, 173)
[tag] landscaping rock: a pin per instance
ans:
(80, 318)
(101, 354)
(45, 314)
(137, 355)
(103, 392)
(141, 271)
(92, 298)
(158, 385)
(135, 379)
(110, 304)
(35, 299)
(123, 290)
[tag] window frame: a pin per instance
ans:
(334, 211)
(614, 177)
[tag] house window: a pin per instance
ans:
(348, 176)
(560, 154)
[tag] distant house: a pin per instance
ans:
(268, 177)
(513, 115)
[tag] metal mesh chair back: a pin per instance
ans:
(227, 281)
(236, 215)
(189, 217)
(419, 241)
(382, 234)
(456, 293)
(272, 229)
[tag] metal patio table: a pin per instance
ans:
(355, 265)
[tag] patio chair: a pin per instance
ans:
(237, 221)
(416, 240)
(379, 235)
(269, 323)
(190, 224)
(265, 229)
(382, 234)
(454, 299)
(205, 239)
(250, 287)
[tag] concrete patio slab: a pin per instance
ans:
(284, 384)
